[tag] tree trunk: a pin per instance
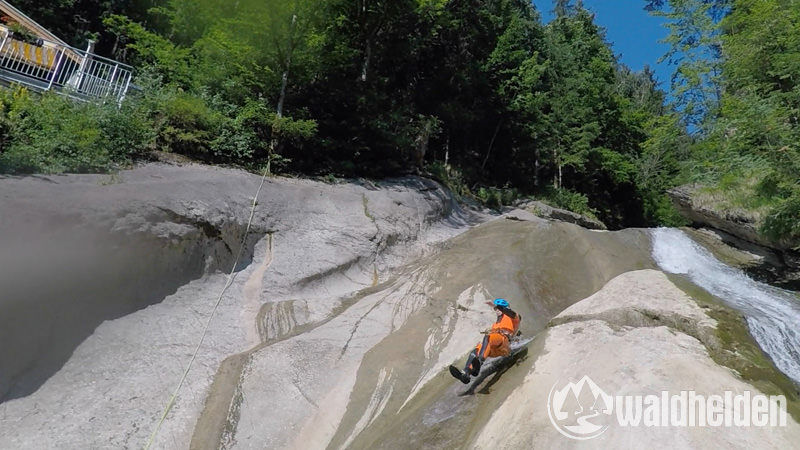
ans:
(560, 182)
(365, 64)
(558, 166)
(447, 150)
(273, 144)
(285, 76)
(491, 143)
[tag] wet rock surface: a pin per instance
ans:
(337, 329)
(375, 376)
(117, 275)
(640, 334)
(78, 251)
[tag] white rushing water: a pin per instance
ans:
(773, 314)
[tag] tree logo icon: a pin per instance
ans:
(579, 410)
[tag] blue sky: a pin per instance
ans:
(633, 32)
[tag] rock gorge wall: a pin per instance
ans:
(77, 251)
(350, 302)
(108, 282)
(773, 261)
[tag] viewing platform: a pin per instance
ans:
(33, 57)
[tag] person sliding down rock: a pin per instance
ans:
(496, 341)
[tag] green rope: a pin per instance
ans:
(231, 277)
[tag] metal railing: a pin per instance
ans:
(44, 66)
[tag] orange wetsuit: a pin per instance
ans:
(496, 342)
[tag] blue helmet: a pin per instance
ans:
(500, 302)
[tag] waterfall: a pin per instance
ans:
(773, 314)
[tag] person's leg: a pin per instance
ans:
(474, 361)
(470, 359)
(477, 356)
(476, 365)
(498, 346)
(469, 367)
(473, 365)
(485, 347)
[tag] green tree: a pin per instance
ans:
(76, 21)
(744, 54)
(761, 105)
(695, 49)
(374, 88)
(516, 69)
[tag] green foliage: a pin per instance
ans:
(451, 178)
(782, 222)
(762, 101)
(245, 49)
(745, 55)
(658, 168)
(478, 93)
(173, 63)
(658, 209)
(53, 134)
(454, 180)
(658, 164)
(496, 198)
(21, 33)
(186, 124)
(76, 21)
(569, 200)
(255, 126)
(696, 51)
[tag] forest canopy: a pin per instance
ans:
(738, 84)
(478, 93)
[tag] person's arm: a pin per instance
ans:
(508, 312)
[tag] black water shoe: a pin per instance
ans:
(463, 377)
